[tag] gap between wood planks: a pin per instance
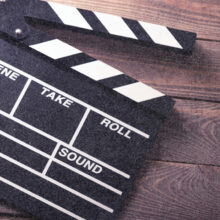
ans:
(194, 99)
(205, 39)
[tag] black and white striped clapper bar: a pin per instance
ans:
(97, 70)
(114, 26)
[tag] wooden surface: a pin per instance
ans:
(181, 176)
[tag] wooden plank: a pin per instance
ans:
(4, 208)
(8, 217)
(191, 134)
(202, 17)
(15, 217)
(174, 191)
(9, 210)
(195, 76)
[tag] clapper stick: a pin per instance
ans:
(114, 26)
(70, 56)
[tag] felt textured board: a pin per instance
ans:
(70, 147)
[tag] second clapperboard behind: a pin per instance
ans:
(70, 148)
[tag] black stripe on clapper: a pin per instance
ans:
(42, 10)
(93, 21)
(36, 37)
(186, 39)
(117, 81)
(77, 59)
(163, 105)
(139, 31)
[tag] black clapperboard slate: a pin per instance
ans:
(70, 147)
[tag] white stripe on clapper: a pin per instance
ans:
(55, 49)
(69, 15)
(160, 35)
(40, 198)
(97, 70)
(115, 25)
(139, 92)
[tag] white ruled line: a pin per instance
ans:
(79, 127)
(88, 199)
(51, 159)
(143, 134)
(20, 97)
(88, 176)
(64, 144)
(71, 214)
(24, 144)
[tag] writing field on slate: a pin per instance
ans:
(70, 147)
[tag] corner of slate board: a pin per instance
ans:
(69, 147)
(162, 105)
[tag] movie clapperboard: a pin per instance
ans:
(70, 147)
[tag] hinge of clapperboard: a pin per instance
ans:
(99, 23)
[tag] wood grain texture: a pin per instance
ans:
(9, 210)
(202, 17)
(195, 76)
(191, 134)
(8, 217)
(174, 191)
